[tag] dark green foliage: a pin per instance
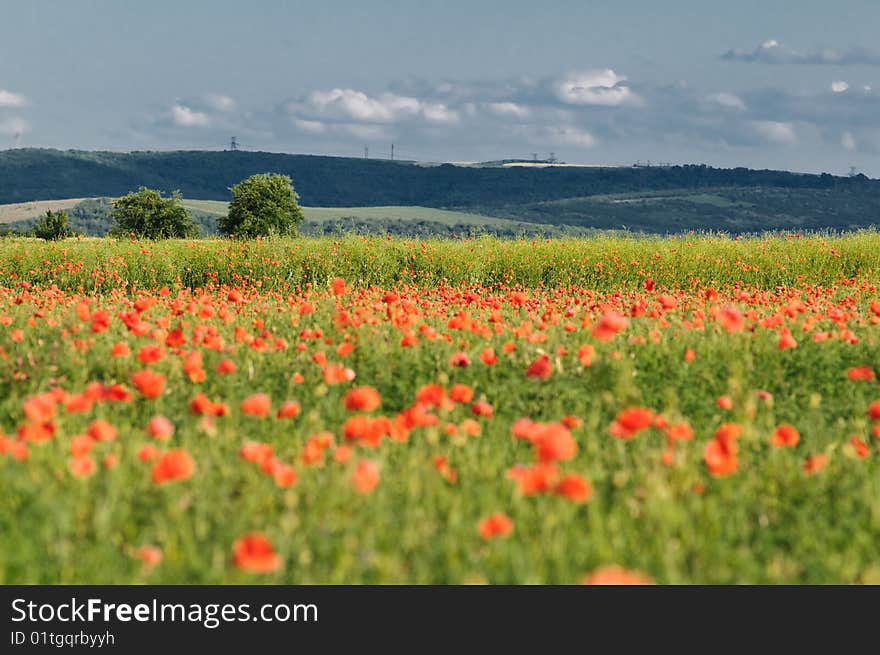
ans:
(33, 174)
(147, 215)
(262, 205)
(54, 226)
(655, 200)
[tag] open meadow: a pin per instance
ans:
(695, 409)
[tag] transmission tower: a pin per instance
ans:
(233, 144)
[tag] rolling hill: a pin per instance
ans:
(367, 195)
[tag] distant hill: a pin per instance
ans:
(652, 199)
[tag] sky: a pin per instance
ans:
(763, 84)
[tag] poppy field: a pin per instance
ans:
(315, 411)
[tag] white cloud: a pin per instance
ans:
(361, 131)
(183, 116)
(439, 113)
(847, 141)
(13, 127)
(508, 109)
(726, 100)
(313, 127)
(556, 135)
(353, 108)
(10, 99)
(839, 86)
(220, 102)
(598, 87)
(358, 105)
(571, 136)
(773, 52)
(775, 132)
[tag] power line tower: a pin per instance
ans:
(366, 152)
(552, 158)
(233, 144)
(392, 152)
(853, 171)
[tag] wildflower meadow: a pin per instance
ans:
(697, 409)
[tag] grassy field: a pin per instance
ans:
(323, 214)
(27, 210)
(22, 211)
(689, 410)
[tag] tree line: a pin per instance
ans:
(263, 205)
(42, 174)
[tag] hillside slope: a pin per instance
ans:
(39, 174)
(657, 200)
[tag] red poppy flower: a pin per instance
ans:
(861, 374)
(815, 463)
(630, 422)
(81, 445)
(488, 357)
(254, 451)
(553, 443)
(362, 399)
(575, 488)
(149, 383)
(609, 325)
(289, 409)
(365, 477)
(174, 465)
(81, 467)
(461, 393)
(731, 319)
(495, 525)
(101, 430)
(616, 575)
(257, 405)
(785, 436)
(861, 448)
(160, 428)
(482, 408)
(254, 553)
(150, 555)
(720, 453)
(540, 368)
(150, 354)
(226, 366)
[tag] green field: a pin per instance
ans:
(375, 410)
(323, 214)
(28, 210)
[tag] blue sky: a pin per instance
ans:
(778, 84)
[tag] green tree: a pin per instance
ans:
(147, 215)
(262, 205)
(53, 226)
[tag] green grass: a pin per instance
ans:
(767, 523)
(605, 262)
(322, 214)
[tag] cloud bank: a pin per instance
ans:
(774, 52)
(592, 115)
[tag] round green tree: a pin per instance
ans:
(53, 226)
(262, 205)
(147, 215)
